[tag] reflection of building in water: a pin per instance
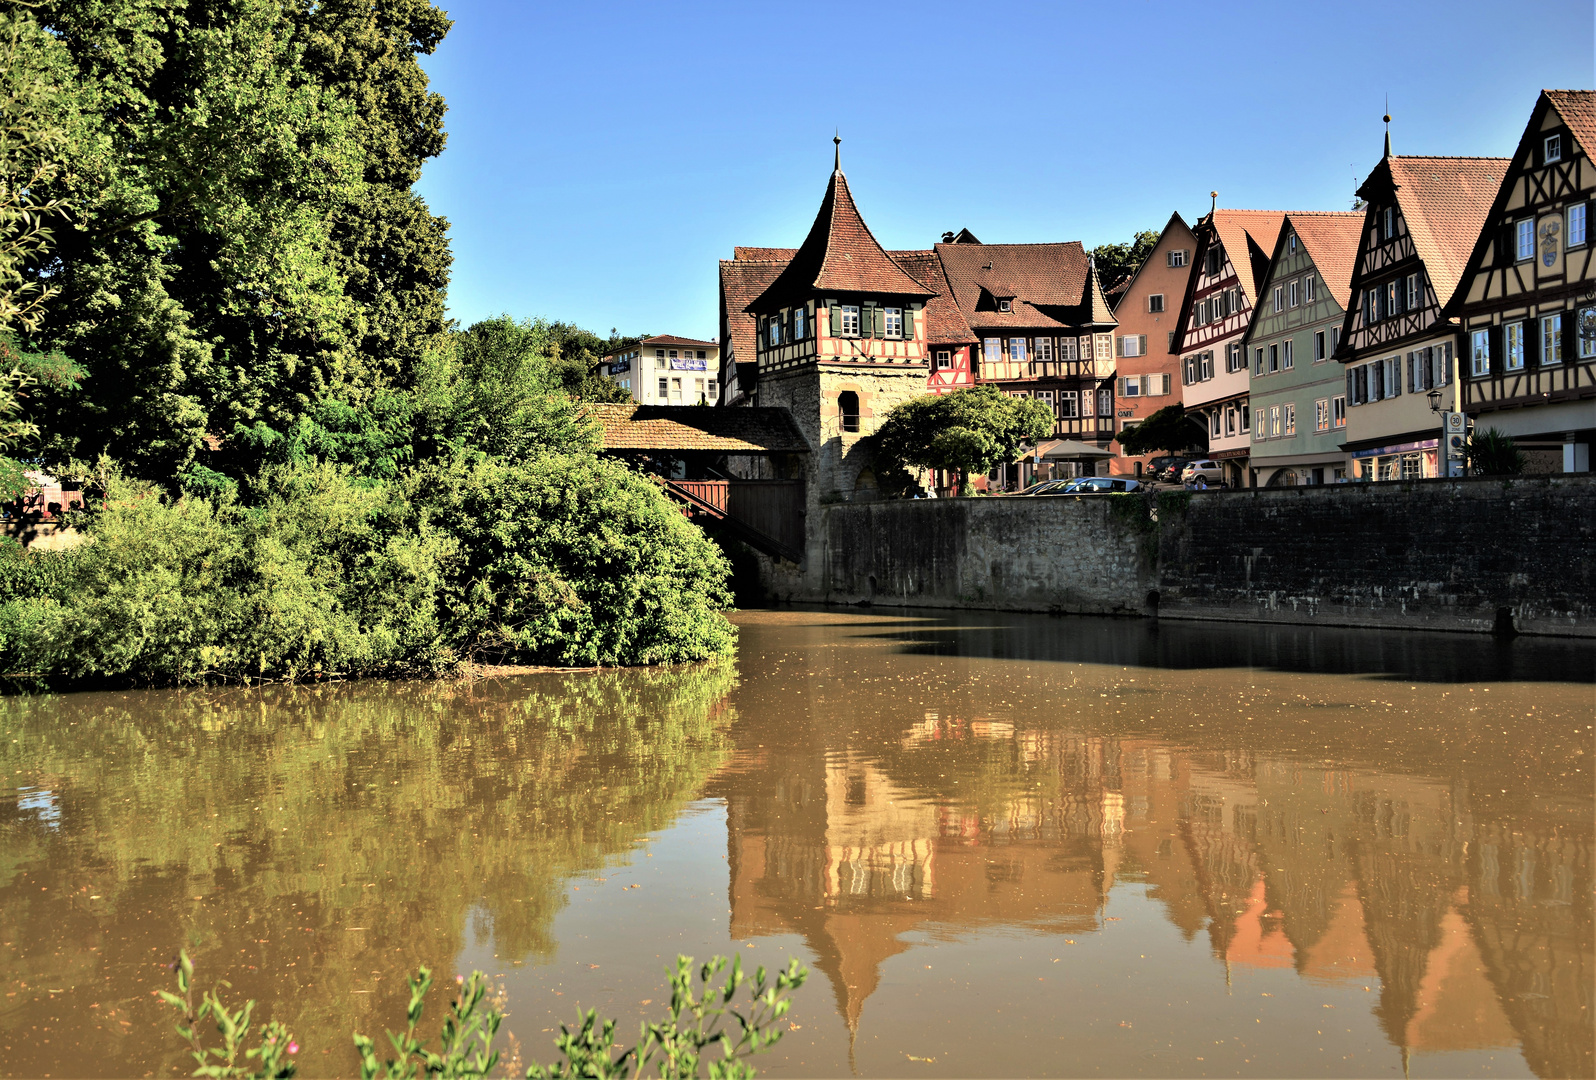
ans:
(1473, 936)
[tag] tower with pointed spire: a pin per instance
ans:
(841, 339)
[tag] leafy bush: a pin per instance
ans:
(1491, 453)
(576, 560)
(966, 431)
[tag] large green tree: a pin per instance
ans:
(243, 243)
(1116, 262)
(1167, 429)
(967, 431)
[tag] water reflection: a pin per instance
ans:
(995, 838)
(1254, 812)
(312, 845)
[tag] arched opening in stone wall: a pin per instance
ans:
(848, 408)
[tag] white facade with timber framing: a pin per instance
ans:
(1233, 250)
(1527, 299)
(1423, 215)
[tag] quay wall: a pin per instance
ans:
(1480, 554)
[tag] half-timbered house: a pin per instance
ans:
(1525, 296)
(1422, 217)
(1043, 327)
(1233, 249)
(1147, 364)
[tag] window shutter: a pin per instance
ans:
(1141, 344)
(1119, 345)
(909, 328)
(1495, 338)
(1504, 245)
(1165, 377)
(836, 319)
(1532, 343)
(1352, 398)
(881, 322)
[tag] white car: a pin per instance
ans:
(1210, 471)
(1096, 485)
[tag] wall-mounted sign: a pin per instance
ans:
(687, 363)
(1549, 243)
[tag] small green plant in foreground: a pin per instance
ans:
(697, 1023)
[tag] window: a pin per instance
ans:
(1554, 149)
(1066, 348)
(1230, 420)
(1552, 339)
(1412, 302)
(798, 324)
(1291, 294)
(774, 336)
(1130, 388)
(944, 359)
(1393, 297)
(1393, 376)
(1213, 424)
(1005, 305)
(1440, 365)
(1274, 422)
(1318, 347)
(992, 350)
(1246, 418)
(1335, 339)
(850, 320)
(714, 390)
(698, 389)
(1338, 411)
(1585, 327)
(1134, 345)
(1103, 345)
(848, 410)
(1274, 358)
(1155, 303)
(1321, 414)
(1257, 361)
(894, 322)
(676, 391)
(1017, 350)
(1086, 403)
(1160, 385)
(701, 354)
(1291, 243)
(1188, 373)
(664, 387)
(1105, 403)
(1288, 418)
(659, 359)
(1177, 258)
(1308, 294)
(1069, 404)
(1388, 224)
(1285, 355)
(1235, 357)
(1576, 225)
(1480, 350)
(1086, 346)
(1513, 346)
(1169, 345)
(673, 354)
(1525, 247)
(1211, 259)
(1044, 350)
(1279, 293)
(1206, 366)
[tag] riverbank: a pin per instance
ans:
(1480, 555)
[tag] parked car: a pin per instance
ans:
(1209, 470)
(1097, 485)
(1170, 473)
(1041, 487)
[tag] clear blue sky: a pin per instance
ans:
(602, 156)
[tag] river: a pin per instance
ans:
(1004, 845)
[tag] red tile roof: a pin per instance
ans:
(945, 324)
(700, 428)
(665, 340)
(1578, 110)
(783, 254)
(1235, 229)
(1331, 239)
(740, 281)
(1445, 201)
(840, 254)
(1049, 283)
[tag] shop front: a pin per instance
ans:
(1416, 460)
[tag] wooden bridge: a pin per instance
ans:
(767, 515)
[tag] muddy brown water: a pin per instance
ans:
(1003, 845)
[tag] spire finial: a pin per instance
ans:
(1388, 125)
(836, 163)
(1214, 195)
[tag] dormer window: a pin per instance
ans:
(1388, 223)
(1554, 148)
(1005, 305)
(1291, 243)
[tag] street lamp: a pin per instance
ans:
(1435, 400)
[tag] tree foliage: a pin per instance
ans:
(967, 431)
(1116, 262)
(1167, 429)
(1493, 453)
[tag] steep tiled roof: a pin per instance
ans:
(663, 340)
(839, 255)
(679, 427)
(1049, 282)
(1578, 110)
(945, 325)
(740, 281)
(1235, 229)
(1331, 239)
(1098, 310)
(782, 254)
(1445, 201)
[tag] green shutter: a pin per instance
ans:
(909, 329)
(867, 318)
(881, 322)
(1142, 344)
(836, 319)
